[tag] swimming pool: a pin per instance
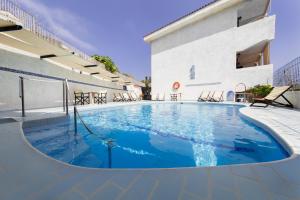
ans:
(157, 135)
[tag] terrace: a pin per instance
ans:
(53, 148)
(50, 178)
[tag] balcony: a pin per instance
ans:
(256, 55)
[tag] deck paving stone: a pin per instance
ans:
(187, 196)
(90, 185)
(109, 191)
(220, 193)
(279, 197)
(125, 178)
(250, 190)
(141, 189)
(72, 195)
(245, 171)
(201, 177)
(289, 171)
(61, 187)
(170, 183)
(222, 177)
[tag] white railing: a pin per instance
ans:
(30, 23)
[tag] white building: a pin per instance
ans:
(216, 47)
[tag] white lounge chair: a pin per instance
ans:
(126, 96)
(117, 97)
(204, 96)
(217, 96)
(134, 96)
(160, 97)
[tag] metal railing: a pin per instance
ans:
(30, 23)
(22, 92)
(250, 20)
(288, 74)
(109, 142)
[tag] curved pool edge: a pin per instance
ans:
(41, 177)
(245, 112)
(274, 127)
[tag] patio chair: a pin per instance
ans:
(271, 98)
(204, 96)
(81, 98)
(101, 97)
(78, 99)
(173, 97)
(217, 96)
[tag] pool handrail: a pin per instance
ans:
(108, 141)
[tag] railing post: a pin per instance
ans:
(64, 96)
(21, 94)
(75, 120)
(67, 99)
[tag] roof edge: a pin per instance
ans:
(196, 15)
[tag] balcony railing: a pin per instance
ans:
(242, 22)
(30, 23)
(288, 74)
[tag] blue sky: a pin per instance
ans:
(116, 27)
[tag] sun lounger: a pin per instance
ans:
(133, 96)
(160, 97)
(204, 96)
(126, 97)
(117, 97)
(217, 96)
(271, 98)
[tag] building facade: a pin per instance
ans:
(216, 47)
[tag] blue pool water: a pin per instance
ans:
(157, 135)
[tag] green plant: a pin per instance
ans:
(147, 82)
(260, 90)
(108, 62)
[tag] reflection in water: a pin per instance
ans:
(204, 154)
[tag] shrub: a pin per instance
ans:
(108, 62)
(260, 90)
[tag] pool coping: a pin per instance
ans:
(245, 114)
(266, 180)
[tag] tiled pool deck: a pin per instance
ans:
(28, 174)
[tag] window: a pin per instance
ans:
(192, 73)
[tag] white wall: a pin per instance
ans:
(212, 52)
(40, 94)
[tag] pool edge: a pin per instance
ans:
(271, 130)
